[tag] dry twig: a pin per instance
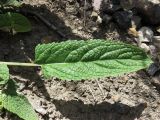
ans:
(46, 22)
(101, 90)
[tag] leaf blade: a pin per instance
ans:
(20, 106)
(4, 74)
(10, 3)
(17, 104)
(15, 22)
(76, 60)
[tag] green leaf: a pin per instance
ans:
(15, 22)
(10, 3)
(76, 60)
(17, 104)
(4, 74)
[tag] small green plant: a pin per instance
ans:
(11, 21)
(11, 100)
(72, 60)
(10, 3)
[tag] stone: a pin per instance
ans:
(97, 4)
(156, 81)
(42, 111)
(128, 101)
(123, 18)
(153, 68)
(156, 39)
(94, 14)
(150, 9)
(116, 98)
(106, 18)
(145, 47)
(153, 52)
(156, 42)
(158, 29)
(94, 29)
(145, 34)
(99, 20)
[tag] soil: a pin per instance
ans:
(127, 97)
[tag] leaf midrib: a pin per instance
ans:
(146, 59)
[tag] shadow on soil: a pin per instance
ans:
(77, 110)
(21, 47)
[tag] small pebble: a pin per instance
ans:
(116, 98)
(158, 29)
(123, 19)
(145, 47)
(99, 20)
(97, 4)
(153, 68)
(94, 14)
(145, 34)
(156, 80)
(153, 51)
(128, 102)
(156, 41)
(41, 111)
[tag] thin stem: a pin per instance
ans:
(20, 64)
